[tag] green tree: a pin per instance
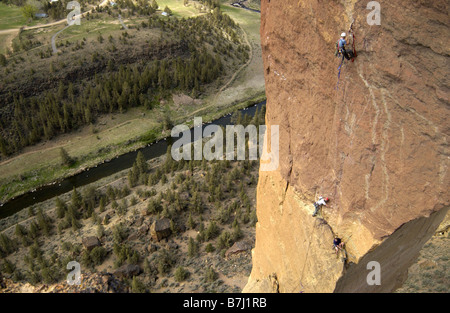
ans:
(137, 286)
(8, 267)
(6, 245)
(33, 231)
(192, 248)
(133, 175)
(165, 261)
(212, 231)
(3, 147)
(29, 11)
(2, 59)
(61, 208)
(65, 158)
(224, 240)
(21, 233)
(75, 224)
(168, 10)
(76, 199)
(154, 5)
(44, 222)
(98, 255)
(181, 274)
(210, 275)
(190, 222)
(100, 231)
(209, 248)
(141, 163)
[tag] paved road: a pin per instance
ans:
(121, 22)
(53, 40)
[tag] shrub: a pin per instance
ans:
(7, 246)
(224, 240)
(125, 253)
(190, 222)
(210, 275)
(209, 248)
(165, 262)
(181, 274)
(98, 255)
(192, 248)
(66, 160)
(119, 233)
(100, 231)
(8, 267)
(212, 231)
(137, 286)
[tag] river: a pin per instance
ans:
(93, 174)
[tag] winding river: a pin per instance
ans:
(93, 174)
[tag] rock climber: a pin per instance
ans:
(337, 244)
(348, 54)
(318, 204)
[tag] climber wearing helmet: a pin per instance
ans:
(319, 204)
(341, 45)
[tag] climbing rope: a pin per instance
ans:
(339, 73)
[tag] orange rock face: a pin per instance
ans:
(376, 145)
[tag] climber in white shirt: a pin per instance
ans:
(318, 204)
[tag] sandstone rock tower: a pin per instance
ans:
(376, 146)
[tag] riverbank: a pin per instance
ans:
(52, 175)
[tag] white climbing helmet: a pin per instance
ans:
(343, 35)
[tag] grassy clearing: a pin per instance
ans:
(11, 17)
(178, 8)
(4, 42)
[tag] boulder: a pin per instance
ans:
(238, 247)
(127, 271)
(160, 229)
(133, 236)
(90, 242)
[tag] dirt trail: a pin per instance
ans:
(230, 81)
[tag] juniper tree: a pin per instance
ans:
(65, 158)
(192, 248)
(137, 286)
(61, 208)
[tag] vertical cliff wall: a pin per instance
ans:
(376, 145)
